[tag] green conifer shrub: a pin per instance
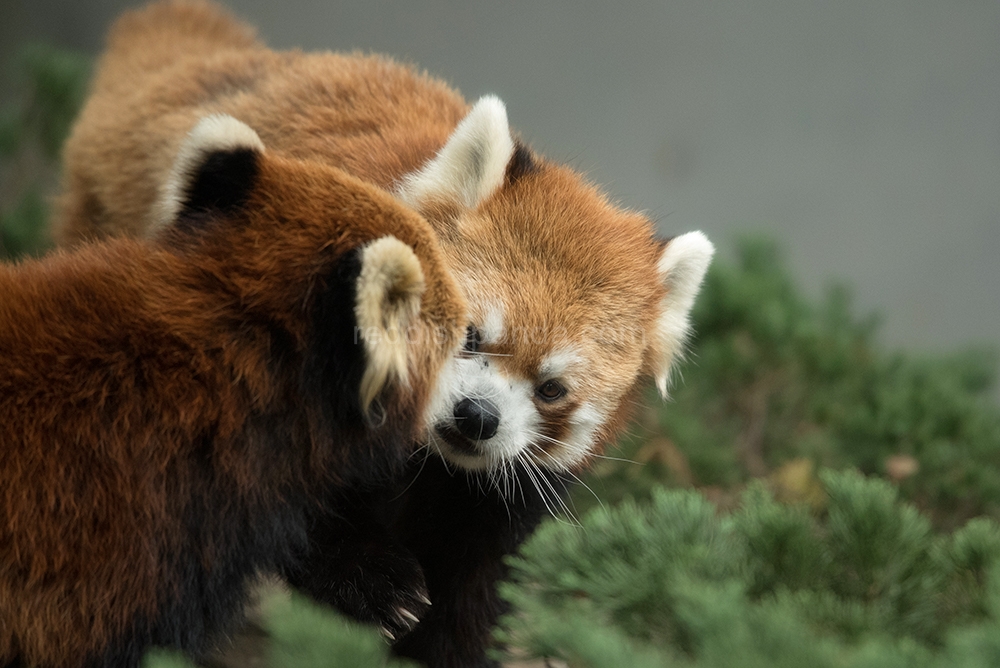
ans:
(672, 582)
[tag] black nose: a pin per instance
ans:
(477, 419)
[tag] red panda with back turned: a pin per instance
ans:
(175, 410)
(573, 302)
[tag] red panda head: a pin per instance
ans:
(278, 233)
(572, 301)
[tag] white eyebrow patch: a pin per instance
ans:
(492, 327)
(559, 361)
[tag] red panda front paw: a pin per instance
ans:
(388, 591)
(376, 583)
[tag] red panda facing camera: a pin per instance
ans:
(573, 303)
(176, 410)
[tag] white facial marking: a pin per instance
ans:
(559, 362)
(492, 327)
(520, 434)
(583, 428)
(474, 377)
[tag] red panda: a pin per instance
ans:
(176, 409)
(573, 302)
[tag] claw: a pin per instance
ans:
(387, 633)
(423, 599)
(406, 614)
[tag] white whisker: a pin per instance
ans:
(517, 480)
(534, 473)
(580, 482)
(427, 453)
(539, 451)
(590, 454)
(432, 439)
(558, 497)
(617, 459)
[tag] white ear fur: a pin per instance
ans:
(682, 267)
(218, 132)
(472, 164)
(389, 289)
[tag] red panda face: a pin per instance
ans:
(572, 302)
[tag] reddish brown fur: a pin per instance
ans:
(128, 367)
(158, 77)
(551, 243)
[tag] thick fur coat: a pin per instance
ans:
(176, 410)
(573, 302)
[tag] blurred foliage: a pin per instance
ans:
(297, 633)
(864, 582)
(777, 386)
(51, 84)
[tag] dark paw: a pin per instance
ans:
(387, 591)
(376, 584)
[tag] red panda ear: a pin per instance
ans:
(388, 292)
(471, 165)
(682, 267)
(215, 169)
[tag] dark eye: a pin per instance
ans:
(473, 339)
(550, 390)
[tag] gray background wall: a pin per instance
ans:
(865, 134)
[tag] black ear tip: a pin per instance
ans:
(223, 181)
(521, 164)
(216, 168)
